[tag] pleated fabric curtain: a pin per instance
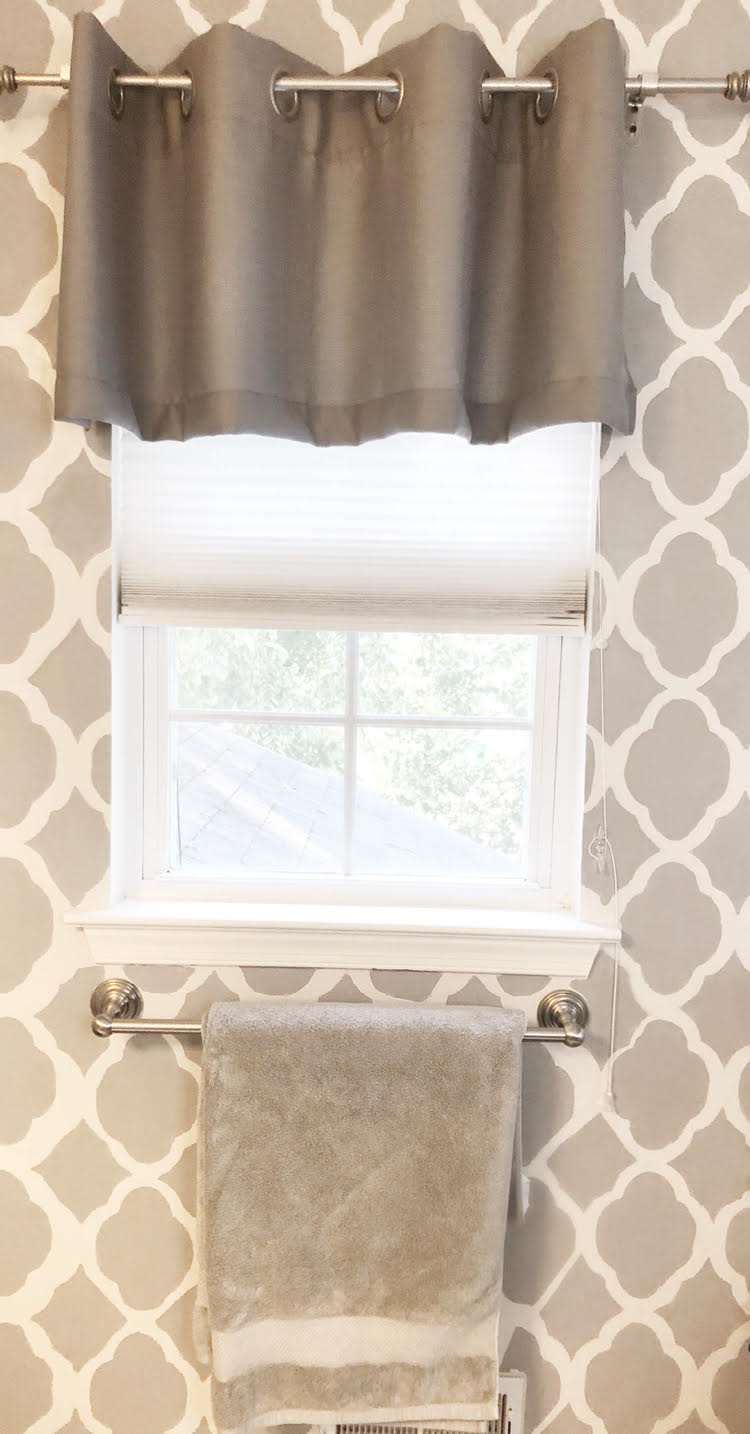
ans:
(336, 277)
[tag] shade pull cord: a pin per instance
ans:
(600, 847)
(602, 851)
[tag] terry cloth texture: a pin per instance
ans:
(354, 1176)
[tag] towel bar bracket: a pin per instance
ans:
(114, 999)
(116, 1007)
(566, 1011)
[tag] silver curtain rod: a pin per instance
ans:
(116, 1007)
(733, 86)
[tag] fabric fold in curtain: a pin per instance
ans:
(335, 278)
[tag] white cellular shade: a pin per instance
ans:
(415, 532)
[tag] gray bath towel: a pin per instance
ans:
(354, 1174)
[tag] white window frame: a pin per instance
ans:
(155, 917)
(552, 867)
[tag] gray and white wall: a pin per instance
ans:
(630, 1280)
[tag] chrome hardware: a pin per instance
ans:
(285, 112)
(383, 113)
(116, 94)
(735, 85)
(486, 99)
(565, 1011)
(114, 1000)
(186, 96)
(738, 86)
(543, 106)
(116, 1005)
(119, 83)
(647, 87)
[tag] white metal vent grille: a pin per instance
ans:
(512, 1399)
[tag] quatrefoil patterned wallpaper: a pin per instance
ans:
(629, 1284)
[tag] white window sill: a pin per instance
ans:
(185, 933)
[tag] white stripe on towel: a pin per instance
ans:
(331, 1343)
(325, 1421)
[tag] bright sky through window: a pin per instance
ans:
(380, 754)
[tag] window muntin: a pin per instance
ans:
(376, 755)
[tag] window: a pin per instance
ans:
(366, 754)
(351, 686)
(411, 758)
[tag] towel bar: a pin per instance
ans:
(116, 1007)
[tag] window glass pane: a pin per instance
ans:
(451, 674)
(262, 670)
(441, 802)
(257, 797)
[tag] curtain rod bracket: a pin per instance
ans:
(648, 86)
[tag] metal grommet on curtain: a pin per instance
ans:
(486, 101)
(290, 111)
(186, 97)
(383, 99)
(544, 103)
(116, 94)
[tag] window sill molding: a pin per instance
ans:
(181, 933)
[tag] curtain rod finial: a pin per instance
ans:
(8, 81)
(738, 86)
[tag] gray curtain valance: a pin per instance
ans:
(337, 278)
